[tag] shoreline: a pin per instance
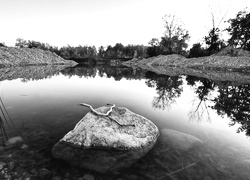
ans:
(217, 68)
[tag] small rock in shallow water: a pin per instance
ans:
(11, 165)
(44, 172)
(2, 165)
(24, 146)
(33, 171)
(14, 141)
(88, 177)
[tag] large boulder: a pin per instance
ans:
(107, 144)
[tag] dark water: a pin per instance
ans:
(44, 108)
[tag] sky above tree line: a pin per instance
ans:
(107, 22)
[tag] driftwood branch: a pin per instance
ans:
(96, 112)
(107, 114)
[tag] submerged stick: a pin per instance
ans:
(105, 114)
(3, 132)
(182, 169)
(176, 171)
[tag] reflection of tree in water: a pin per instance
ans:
(234, 101)
(203, 87)
(168, 89)
(116, 72)
(120, 72)
(80, 71)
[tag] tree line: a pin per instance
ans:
(81, 53)
(175, 37)
(173, 41)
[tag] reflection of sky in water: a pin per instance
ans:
(53, 105)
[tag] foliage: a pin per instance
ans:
(175, 37)
(20, 43)
(2, 44)
(120, 51)
(78, 52)
(88, 53)
(174, 40)
(66, 52)
(154, 48)
(239, 30)
(197, 51)
(215, 44)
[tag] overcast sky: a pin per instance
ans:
(106, 22)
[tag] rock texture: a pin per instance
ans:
(99, 143)
(227, 59)
(10, 56)
(179, 140)
(233, 52)
(223, 66)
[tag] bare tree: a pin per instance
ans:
(175, 36)
(213, 39)
(173, 25)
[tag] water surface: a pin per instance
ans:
(44, 109)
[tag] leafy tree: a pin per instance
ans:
(213, 41)
(110, 52)
(79, 53)
(92, 52)
(2, 44)
(175, 37)
(21, 43)
(197, 51)
(101, 52)
(239, 30)
(154, 48)
(120, 51)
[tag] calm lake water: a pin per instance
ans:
(43, 108)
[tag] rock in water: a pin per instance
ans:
(14, 141)
(179, 140)
(101, 144)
